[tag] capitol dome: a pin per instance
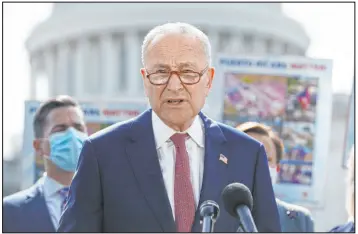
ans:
(92, 50)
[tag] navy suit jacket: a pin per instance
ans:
(294, 218)
(26, 211)
(347, 227)
(119, 187)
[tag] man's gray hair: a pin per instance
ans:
(179, 28)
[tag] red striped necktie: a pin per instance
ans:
(184, 203)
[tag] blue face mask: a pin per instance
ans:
(66, 148)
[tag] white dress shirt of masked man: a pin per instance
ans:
(59, 133)
(293, 218)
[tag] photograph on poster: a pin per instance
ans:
(296, 166)
(254, 95)
(301, 99)
(295, 172)
(298, 138)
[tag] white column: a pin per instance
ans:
(236, 45)
(133, 55)
(139, 82)
(214, 41)
(293, 50)
(110, 65)
(33, 79)
(259, 46)
(81, 56)
(62, 69)
(247, 43)
(277, 48)
(224, 45)
(213, 104)
(49, 59)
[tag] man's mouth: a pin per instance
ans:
(176, 101)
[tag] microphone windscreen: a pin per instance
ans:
(236, 194)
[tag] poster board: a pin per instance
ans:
(98, 115)
(292, 95)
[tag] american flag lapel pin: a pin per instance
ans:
(223, 159)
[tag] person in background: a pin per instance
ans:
(60, 131)
(293, 218)
(350, 203)
(152, 172)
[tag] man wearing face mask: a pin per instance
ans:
(293, 218)
(60, 131)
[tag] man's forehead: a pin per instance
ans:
(176, 51)
(157, 64)
(170, 37)
(65, 113)
(174, 43)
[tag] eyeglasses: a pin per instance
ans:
(187, 77)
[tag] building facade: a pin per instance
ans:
(93, 50)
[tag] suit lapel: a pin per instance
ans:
(143, 157)
(38, 213)
(215, 171)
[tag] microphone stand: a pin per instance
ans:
(208, 224)
(247, 223)
(240, 229)
(209, 212)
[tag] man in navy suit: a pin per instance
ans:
(293, 218)
(59, 134)
(151, 173)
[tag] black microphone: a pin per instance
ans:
(238, 203)
(209, 212)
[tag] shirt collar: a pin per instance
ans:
(196, 131)
(51, 186)
(162, 132)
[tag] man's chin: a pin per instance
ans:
(178, 123)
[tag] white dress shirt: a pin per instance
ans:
(166, 154)
(53, 199)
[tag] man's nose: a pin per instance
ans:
(174, 83)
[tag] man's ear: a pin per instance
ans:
(145, 82)
(143, 73)
(211, 74)
(37, 145)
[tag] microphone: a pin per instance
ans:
(238, 203)
(209, 212)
